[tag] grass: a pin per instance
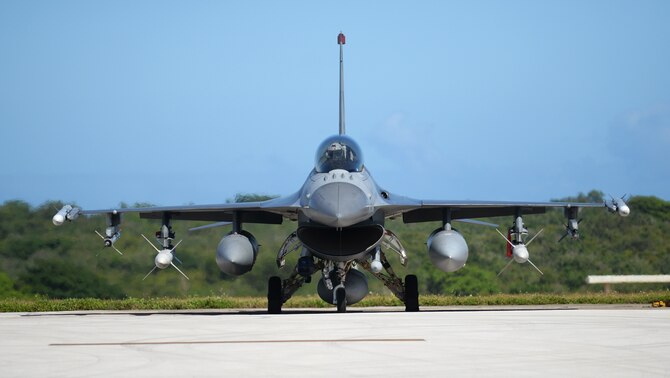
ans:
(191, 303)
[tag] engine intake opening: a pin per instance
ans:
(341, 245)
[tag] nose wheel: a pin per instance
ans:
(341, 298)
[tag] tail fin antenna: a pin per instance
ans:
(341, 40)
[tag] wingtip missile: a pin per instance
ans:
(618, 205)
(622, 208)
(66, 213)
(58, 219)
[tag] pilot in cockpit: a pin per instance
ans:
(338, 152)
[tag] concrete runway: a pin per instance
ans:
(520, 341)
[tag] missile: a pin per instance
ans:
(571, 229)
(375, 263)
(110, 240)
(619, 206)
(67, 212)
(520, 253)
(163, 259)
(59, 218)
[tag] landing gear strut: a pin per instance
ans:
(407, 292)
(280, 291)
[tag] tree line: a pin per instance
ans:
(37, 258)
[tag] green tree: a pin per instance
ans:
(251, 197)
(653, 206)
(58, 279)
(470, 280)
(68, 260)
(7, 289)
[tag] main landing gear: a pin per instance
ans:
(277, 296)
(342, 283)
(411, 293)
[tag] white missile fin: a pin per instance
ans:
(151, 271)
(505, 237)
(536, 268)
(179, 270)
(505, 267)
(150, 243)
(533, 238)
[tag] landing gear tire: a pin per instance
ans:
(341, 297)
(411, 293)
(274, 295)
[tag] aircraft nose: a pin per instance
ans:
(339, 204)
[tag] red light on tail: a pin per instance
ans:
(341, 40)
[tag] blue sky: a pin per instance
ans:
(177, 102)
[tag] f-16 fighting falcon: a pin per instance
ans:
(340, 212)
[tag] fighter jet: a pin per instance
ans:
(340, 212)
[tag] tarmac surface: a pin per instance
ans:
(583, 341)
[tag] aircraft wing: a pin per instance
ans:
(268, 212)
(414, 211)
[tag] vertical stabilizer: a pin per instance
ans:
(341, 41)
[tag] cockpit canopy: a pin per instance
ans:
(339, 152)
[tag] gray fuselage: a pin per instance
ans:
(337, 203)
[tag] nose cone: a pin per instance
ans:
(520, 253)
(163, 259)
(339, 204)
